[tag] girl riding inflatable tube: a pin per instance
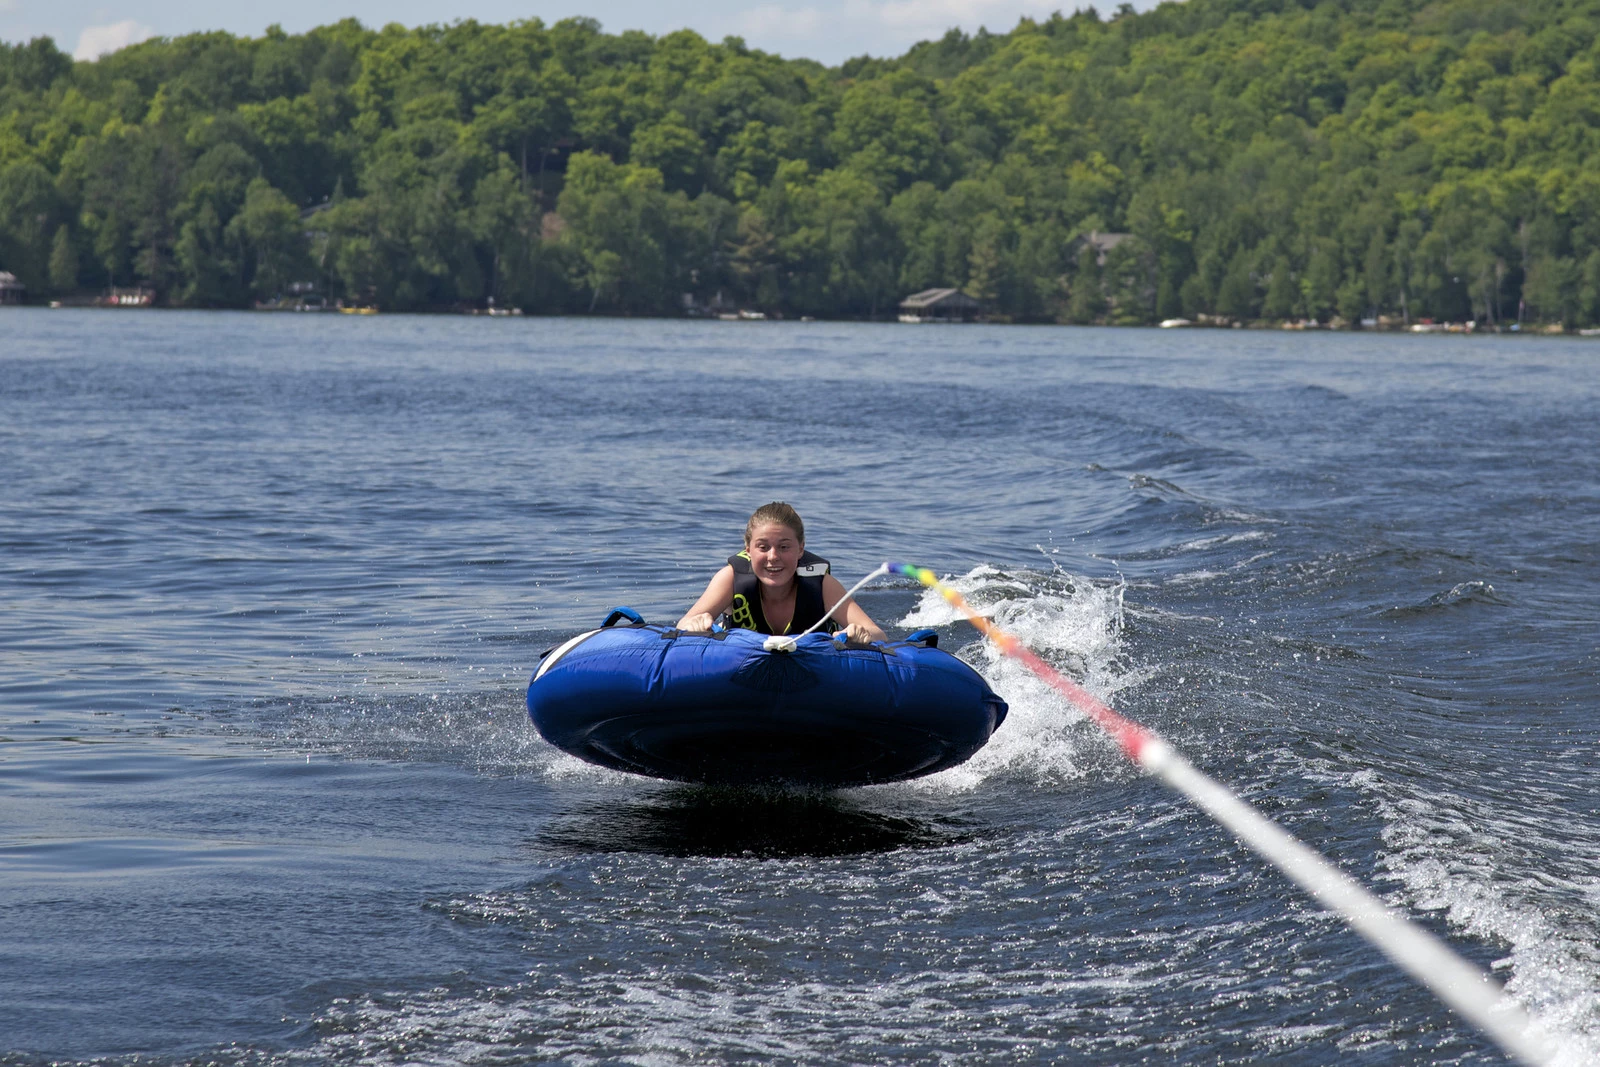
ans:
(719, 708)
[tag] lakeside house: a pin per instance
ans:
(940, 305)
(11, 290)
(1102, 243)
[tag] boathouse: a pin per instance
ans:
(940, 305)
(11, 290)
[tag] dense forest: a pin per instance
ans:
(1269, 159)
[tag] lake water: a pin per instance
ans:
(271, 588)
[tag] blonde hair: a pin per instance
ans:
(777, 512)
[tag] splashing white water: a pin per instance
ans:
(1487, 869)
(1070, 622)
(1440, 847)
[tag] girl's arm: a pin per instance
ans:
(717, 598)
(858, 625)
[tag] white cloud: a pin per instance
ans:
(936, 16)
(769, 21)
(97, 41)
(10, 7)
(831, 30)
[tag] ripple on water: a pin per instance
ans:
(274, 586)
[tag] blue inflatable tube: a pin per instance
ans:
(719, 709)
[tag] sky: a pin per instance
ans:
(827, 30)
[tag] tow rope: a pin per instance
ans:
(1455, 981)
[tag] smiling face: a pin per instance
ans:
(774, 553)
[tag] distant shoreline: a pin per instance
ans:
(1254, 326)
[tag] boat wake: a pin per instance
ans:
(1075, 625)
(1485, 862)
(484, 732)
(1513, 878)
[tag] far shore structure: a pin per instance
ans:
(940, 305)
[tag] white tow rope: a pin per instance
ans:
(1426, 958)
(785, 643)
(1438, 968)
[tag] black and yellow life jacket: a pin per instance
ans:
(746, 614)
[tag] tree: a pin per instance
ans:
(128, 181)
(210, 256)
(756, 262)
(886, 132)
(63, 261)
(1236, 296)
(1319, 289)
(1551, 289)
(1283, 295)
(1088, 303)
(1375, 271)
(854, 246)
(267, 230)
(626, 231)
(29, 208)
(986, 263)
(1130, 281)
(672, 148)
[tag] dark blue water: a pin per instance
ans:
(271, 587)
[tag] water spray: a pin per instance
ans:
(1455, 981)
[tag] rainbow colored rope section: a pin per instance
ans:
(1434, 965)
(1134, 739)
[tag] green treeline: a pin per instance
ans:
(1268, 158)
